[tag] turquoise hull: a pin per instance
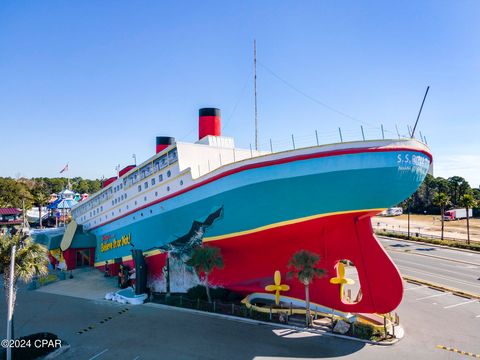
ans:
(265, 196)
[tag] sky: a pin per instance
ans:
(90, 83)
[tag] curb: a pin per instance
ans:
(258, 322)
(441, 287)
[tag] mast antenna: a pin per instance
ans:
(418, 117)
(255, 89)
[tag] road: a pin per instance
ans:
(149, 332)
(453, 268)
(430, 318)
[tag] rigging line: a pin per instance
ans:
(242, 92)
(311, 97)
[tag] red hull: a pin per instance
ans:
(251, 260)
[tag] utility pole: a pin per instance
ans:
(255, 89)
(10, 303)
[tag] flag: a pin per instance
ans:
(64, 169)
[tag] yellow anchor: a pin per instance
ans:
(277, 287)
(341, 279)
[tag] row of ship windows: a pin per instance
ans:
(152, 182)
(95, 212)
(117, 188)
(138, 175)
(106, 217)
(117, 200)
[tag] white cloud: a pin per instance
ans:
(464, 165)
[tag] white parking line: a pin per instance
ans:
(100, 353)
(462, 303)
(416, 287)
(432, 296)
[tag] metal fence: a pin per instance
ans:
(286, 316)
(338, 135)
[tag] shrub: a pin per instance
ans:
(363, 331)
(199, 292)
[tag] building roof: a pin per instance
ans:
(13, 222)
(9, 211)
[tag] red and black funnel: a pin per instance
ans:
(163, 142)
(209, 122)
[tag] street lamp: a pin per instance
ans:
(10, 296)
(409, 210)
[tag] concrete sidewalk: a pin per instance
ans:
(87, 283)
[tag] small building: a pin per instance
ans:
(10, 218)
(69, 247)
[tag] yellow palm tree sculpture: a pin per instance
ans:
(277, 287)
(341, 279)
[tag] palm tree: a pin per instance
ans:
(469, 202)
(204, 259)
(39, 200)
(441, 200)
(31, 260)
(303, 264)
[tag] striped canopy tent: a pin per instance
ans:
(65, 204)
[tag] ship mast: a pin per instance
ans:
(255, 89)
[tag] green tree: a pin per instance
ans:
(13, 193)
(441, 200)
(31, 260)
(468, 202)
(204, 259)
(40, 198)
(303, 267)
(458, 187)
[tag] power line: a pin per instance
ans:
(301, 92)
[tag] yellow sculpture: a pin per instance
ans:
(341, 279)
(277, 287)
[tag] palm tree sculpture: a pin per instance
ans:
(204, 259)
(441, 200)
(469, 202)
(31, 260)
(303, 264)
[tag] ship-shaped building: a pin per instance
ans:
(259, 208)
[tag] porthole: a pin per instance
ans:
(139, 188)
(145, 198)
(151, 211)
(169, 173)
(135, 202)
(181, 182)
(141, 214)
(168, 188)
(156, 193)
